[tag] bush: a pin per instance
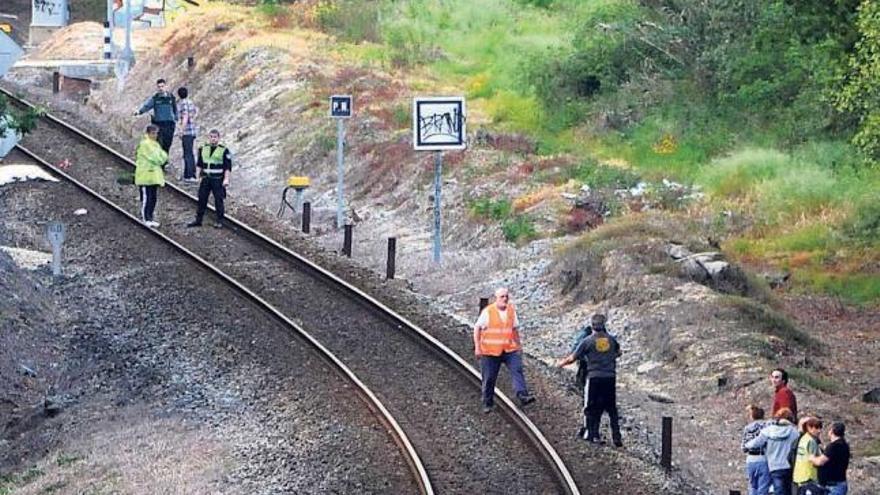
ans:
(495, 209)
(349, 20)
(602, 176)
(519, 228)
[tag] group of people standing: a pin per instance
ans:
(212, 163)
(784, 452)
(497, 341)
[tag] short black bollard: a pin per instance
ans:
(307, 216)
(56, 82)
(190, 62)
(666, 448)
(392, 253)
(346, 241)
(484, 301)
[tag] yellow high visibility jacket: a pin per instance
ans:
(149, 159)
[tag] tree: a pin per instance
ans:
(861, 90)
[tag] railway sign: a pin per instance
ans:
(439, 123)
(55, 234)
(340, 106)
(10, 52)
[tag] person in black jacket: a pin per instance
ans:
(164, 108)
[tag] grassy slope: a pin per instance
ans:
(810, 210)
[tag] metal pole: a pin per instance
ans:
(108, 32)
(666, 448)
(340, 171)
(299, 199)
(392, 253)
(56, 82)
(127, 52)
(438, 172)
(307, 216)
(346, 241)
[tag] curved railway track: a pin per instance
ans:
(430, 389)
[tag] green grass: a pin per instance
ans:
(763, 319)
(857, 288)
(495, 209)
(810, 378)
(519, 228)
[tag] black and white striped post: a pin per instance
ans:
(108, 43)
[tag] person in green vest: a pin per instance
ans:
(805, 472)
(214, 166)
(148, 172)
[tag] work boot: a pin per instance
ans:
(218, 225)
(526, 399)
(194, 223)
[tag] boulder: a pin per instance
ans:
(872, 396)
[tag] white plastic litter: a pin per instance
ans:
(80, 212)
(21, 173)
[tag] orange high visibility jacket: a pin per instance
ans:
(499, 336)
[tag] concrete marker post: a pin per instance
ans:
(390, 262)
(307, 217)
(55, 234)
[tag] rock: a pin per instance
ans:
(658, 397)
(27, 371)
(677, 251)
(647, 367)
(872, 396)
(716, 269)
(694, 270)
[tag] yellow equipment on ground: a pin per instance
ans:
(298, 183)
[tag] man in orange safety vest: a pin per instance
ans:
(496, 341)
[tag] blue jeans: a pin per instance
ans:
(759, 478)
(781, 481)
(489, 367)
(838, 489)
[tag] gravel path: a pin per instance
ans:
(147, 327)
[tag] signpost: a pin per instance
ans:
(340, 109)
(55, 233)
(438, 124)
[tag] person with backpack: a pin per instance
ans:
(778, 439)
(756, 460)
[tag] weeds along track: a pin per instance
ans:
(427, 388)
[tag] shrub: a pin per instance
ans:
(495, 209)
(595, 175)
(519, 228)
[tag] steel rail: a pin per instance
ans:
(523, 423)
(372, 401)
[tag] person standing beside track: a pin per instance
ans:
(496, 341)
(214, 166)
(187, 112)
(164, 108)
(148, 174)
(601, 351)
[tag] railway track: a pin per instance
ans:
(430, 390)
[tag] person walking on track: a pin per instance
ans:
(497, 341)
(214, 166)
(601, 351)
(148, 174)
(164, 108)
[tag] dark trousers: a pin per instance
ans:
(148, 201)
(166, 134)
(211, 185)
(491, 365)
(602, 397)
(189, 160)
